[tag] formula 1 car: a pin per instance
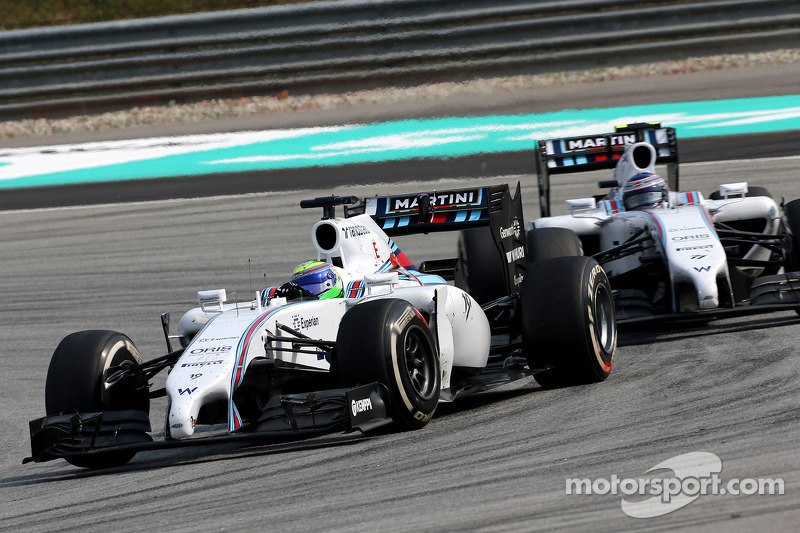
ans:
(394, 344)
(670, 255)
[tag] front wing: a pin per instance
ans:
(288, 416)
(769, 294)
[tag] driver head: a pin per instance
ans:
(644, 190)
(318, 277)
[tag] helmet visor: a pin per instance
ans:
(644, 199)
(323, 283)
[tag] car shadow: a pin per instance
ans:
(176, 457)
(667, 332)
(214, 452)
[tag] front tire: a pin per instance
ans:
(388, 341)
(568, 322)
(76, 383)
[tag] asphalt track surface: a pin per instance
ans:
(496, 461)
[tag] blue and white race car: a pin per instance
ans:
(357, 339)
(670, 255)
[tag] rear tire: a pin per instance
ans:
(791, 214)
(568, 322)
(388, 341)
(481, 269)
(547, 243)
(76, 383)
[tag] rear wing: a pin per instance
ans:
(452, 210)
(597, 152)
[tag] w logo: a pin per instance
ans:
(703, 269)
(186, 391)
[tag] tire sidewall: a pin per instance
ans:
(371, 347)
(420, 407)
(76, 376)
(791, 215)
(567, 320)
(599, 307)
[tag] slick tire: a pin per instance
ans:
(547, 243)
(481, 269)
(567, 321)
(791, 214)
(388, 341)
(76, 383)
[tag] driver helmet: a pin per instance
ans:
(644, 190)
(320, 278)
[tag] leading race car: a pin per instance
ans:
(356, 340)
(670, 255)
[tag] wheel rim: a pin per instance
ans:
(420, 363)
(604, 324)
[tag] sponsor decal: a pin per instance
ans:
(514, 230)
(467, 304)
(211, 350)
(703, 268)
(356, 230)
(697, 256)
(441, 199)
(518, 279)
(202, 363)
(186, 391)
(515, 254)
(599, 142)
(685, 229)
(408, 314)
(703, 247)
(422, 417)
(359, 406)
(195, 376)
(300, 323)
(213, 339)
(696, 237)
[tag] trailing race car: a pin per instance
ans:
(356, 340)
(669, 254)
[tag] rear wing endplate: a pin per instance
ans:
(597, 152)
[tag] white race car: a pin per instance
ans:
(669, 254)
(392, 342)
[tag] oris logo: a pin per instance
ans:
(698, 237)
(214, 350)
(359, 406)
